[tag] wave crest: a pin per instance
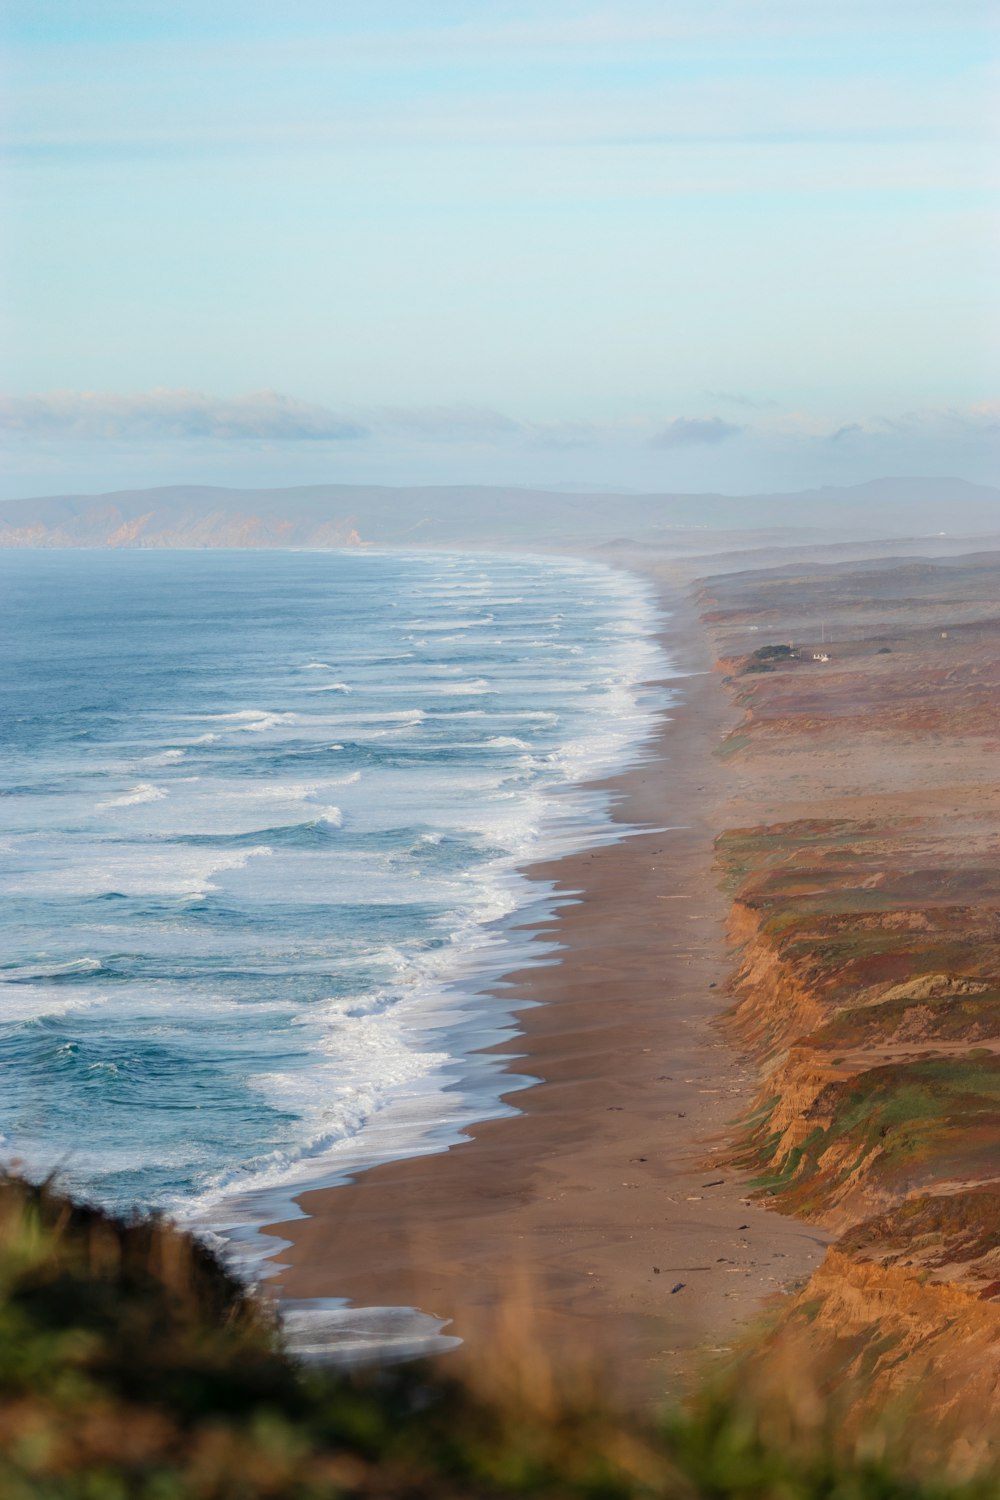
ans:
(144, 791)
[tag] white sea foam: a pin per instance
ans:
(270, 791)
(163, 758)
(33, 1002)
(137, 870)
(270, 721)
(368, 1058)
(284, 791)
(255, 720)
(353, 717)
(464, 713)
(42, 969)
(398, 722)
(316, 666)
(433, 626)
(145, 791)
(331, 687)
(470, 688)
(327, 1332)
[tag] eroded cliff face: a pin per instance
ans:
(866, 928)
(107, 526)
(892, 1356)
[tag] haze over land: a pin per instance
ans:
(337, 515)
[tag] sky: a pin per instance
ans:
(738, 245)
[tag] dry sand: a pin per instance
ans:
(598, 1202)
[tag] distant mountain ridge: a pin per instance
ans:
(335, 515)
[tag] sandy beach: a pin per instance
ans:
(596, 1209)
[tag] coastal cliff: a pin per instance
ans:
(865, 924)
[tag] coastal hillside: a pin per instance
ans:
(133, 1365)
(862, 862)
(335, 515)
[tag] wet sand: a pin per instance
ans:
(596, 1209)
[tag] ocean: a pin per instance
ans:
(263, 818)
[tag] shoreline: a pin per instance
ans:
(465, 1014)
(592, 1207)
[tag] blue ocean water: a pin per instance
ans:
(261, 822)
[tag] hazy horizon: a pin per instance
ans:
(662, 248)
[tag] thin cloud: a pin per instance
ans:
(459, 423)
(174, 414)
(738, 398)
(482, 425)
(979, 420)
(983, 417)
(182, 415)
(690, 432)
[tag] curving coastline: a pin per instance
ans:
(835, 876)
(593, 1207)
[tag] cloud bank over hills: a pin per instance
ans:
(70, 440)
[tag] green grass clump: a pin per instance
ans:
(133, 1367)
(909, 1121)
(731, 745)
(945, 1018)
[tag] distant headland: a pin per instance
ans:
(337, 515)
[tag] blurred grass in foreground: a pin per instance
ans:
(133, 1365)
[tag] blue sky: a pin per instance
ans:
(697, 244)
